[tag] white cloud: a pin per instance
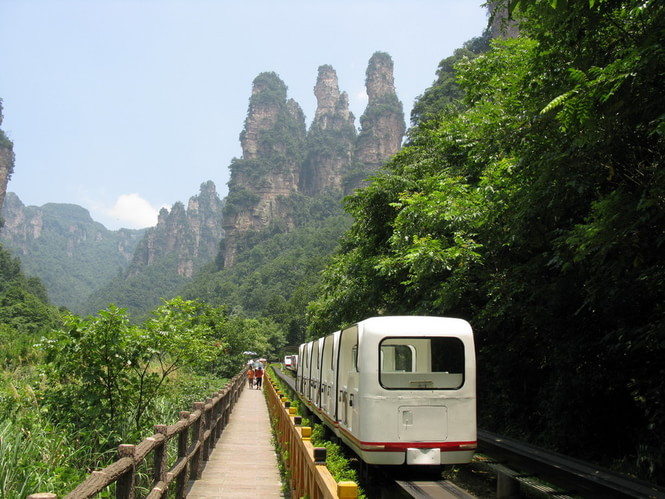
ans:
(133, 212)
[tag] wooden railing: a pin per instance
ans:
(308, 474)
(196, 434)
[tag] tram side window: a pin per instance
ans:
(397, 358)
(448, 355)
(422, 363)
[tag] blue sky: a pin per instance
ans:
(125, 106)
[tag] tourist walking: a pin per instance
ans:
(250, 377)
(258, 374)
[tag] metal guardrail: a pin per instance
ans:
(518, 461)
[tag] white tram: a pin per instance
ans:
(397, 390)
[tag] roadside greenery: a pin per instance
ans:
(73, 388)
(531, 204)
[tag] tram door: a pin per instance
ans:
(348, 377)
(328, 359)
(315, 376)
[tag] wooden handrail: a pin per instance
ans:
(194, 447)
(309, 476)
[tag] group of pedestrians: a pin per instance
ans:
(255, 377)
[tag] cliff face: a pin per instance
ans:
(273, 145)
(6, 161)
(192, 235)
(331, 137)
(61, 244)
(382, 123)
(280, 161)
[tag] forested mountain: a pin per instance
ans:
(278, 274)
(61, 244)
(167, 256)
(529, 200)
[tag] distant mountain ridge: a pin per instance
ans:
(167, 256)
(63, 246)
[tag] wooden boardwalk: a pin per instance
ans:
(243, 463)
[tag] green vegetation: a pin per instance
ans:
(529, 200)
(277, 273)
(73, 388)
(534, 209)
(141, 292)
(72, 254)
(445, 93)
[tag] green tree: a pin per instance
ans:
(103, 372)
(535, 210)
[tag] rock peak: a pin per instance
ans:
(282, 161)
(379, 80)
(6, 161)
(382, 123)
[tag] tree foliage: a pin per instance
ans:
(104, 373)
(277, 273)
(534, 208)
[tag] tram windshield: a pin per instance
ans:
(425, 363)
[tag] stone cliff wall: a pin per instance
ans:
(382, 123)
(279, 160)
(273, 147)
(6, 160)
(331, 137)
(191, 234)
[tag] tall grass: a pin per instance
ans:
(39, 455)
(36, 458)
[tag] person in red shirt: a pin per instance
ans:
(250, 377)
(258, 374)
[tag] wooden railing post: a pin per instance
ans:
(125, 484)
(198, 430)
(207, 429)
(160, 462)
(183, 444)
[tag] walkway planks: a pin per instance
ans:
(243, 463)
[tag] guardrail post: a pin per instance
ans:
(160, 455)
(347, 490)
(125, 485)
(181, 481)
(506, 486)
(197, 439)
(207, 429)
(320, 455)
(42, 495)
